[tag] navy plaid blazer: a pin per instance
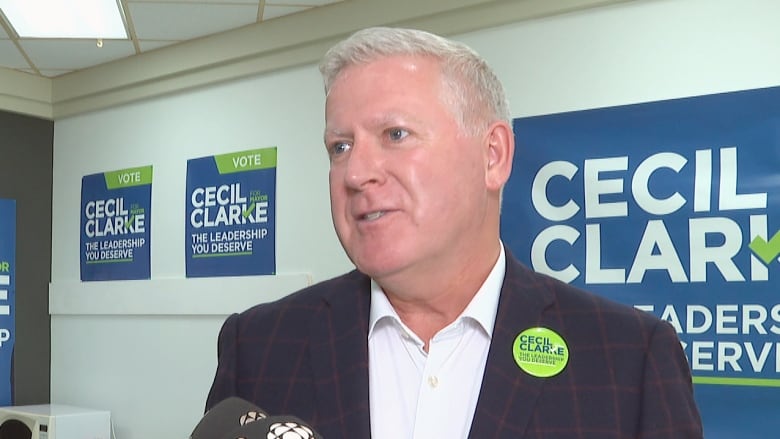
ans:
(627, 377)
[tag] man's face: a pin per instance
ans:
(407, 185)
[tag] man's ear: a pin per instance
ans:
(499, 150)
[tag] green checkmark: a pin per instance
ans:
(129, 222)
(767, 251)
(249, 210)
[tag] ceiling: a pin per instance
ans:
(151, 24)
(180, 45)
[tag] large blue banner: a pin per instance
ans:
(116, 208)
(672, 207)
(230, 226)
(7, 297)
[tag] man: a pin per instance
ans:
(440, 332)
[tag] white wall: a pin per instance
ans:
(635, 52)
(149, 357)
(146, 350)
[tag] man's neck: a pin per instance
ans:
(435, 299)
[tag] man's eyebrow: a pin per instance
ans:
(387, 119)
(333, 132)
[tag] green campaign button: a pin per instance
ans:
(540, 352)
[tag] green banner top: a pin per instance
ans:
(251, 160)
(129, 177)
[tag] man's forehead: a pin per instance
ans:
(385, 70)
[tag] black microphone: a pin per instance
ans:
(274, 427)
(228, 415)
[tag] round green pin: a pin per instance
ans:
(540, 352)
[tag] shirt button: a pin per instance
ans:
(433, 381)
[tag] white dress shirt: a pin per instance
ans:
(414, 394)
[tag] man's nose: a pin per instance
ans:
(365, 164)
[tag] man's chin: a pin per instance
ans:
(377, 269)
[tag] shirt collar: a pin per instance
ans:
(482, 308)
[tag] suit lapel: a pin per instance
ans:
(339, 358)
(508, 394)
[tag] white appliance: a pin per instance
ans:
(57, 421)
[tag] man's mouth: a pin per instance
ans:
(373, 215)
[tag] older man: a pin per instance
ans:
(440, 332)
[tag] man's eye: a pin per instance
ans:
(397, 133)
(338, 148)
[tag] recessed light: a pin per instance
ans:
(65, 19)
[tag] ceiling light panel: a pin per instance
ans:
(65, 19)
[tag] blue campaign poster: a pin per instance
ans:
(7, 297)
(116, 211)
(230, 226)
(672, 207)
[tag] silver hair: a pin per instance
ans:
(479, 95)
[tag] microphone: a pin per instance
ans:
(229, 414)
(236, 418)
(274, 427)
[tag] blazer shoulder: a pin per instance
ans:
(578, 307)
(306, 302)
